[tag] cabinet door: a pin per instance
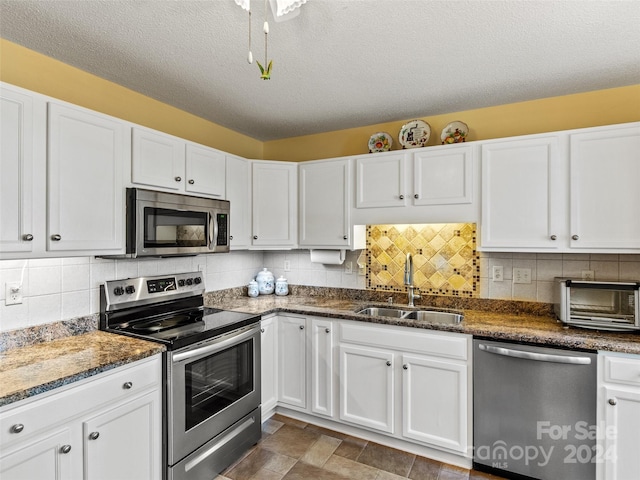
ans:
(366, 387)
(322, 366)
(380, 181)
(292, 361)
(42, 458)
(158, 160)
(622, 418)
(434, 406)
(275, 201)
(85, 187)
(16, 171)
(605, 192)
(443, 176)
(205, 171)
(269, 365)
(522, 200)
(125, 442)
(325, 203)
(238, 182)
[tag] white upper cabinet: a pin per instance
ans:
(522, 203)
(325, 193)
(238, 192)
(274, 204)
(605, 188)
(380, 180)
(85, 207)
(167, 162)
(16, 171)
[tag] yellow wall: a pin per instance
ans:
(34, 71)
(601, 107)
(31, 70)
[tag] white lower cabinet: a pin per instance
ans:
(292, 360)
(106, 427)
(618, 416)
(269, 364)
(322, 371)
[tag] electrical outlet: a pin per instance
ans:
(498, 273)
(588, 275)
(13, 293)
(521, 275)
(287, 265)
(348, 268)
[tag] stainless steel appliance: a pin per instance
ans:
(212, 368)
(168, 224)
(598, 305)
(534, 412)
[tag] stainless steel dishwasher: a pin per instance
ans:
(534, 411)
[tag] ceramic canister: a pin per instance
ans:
(252, 288)
(282, 286)
(265, 281)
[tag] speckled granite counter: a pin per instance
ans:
(514, 321)
(34, 369)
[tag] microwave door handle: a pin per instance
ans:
(213, 229)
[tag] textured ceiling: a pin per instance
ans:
(340, 63)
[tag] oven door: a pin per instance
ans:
(211, 385)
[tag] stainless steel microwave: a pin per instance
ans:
(598, 305)
(162, 224)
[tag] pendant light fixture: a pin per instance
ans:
(282, 10)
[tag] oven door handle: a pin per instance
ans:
(221, 344)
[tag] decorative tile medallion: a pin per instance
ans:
(445, 260)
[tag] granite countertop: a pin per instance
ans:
(29, 370)
(505, 320)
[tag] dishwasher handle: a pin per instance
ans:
(538, 357)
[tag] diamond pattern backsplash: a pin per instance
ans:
(445, 260)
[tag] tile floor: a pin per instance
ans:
(294, 450)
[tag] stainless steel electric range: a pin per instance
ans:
(211, 368)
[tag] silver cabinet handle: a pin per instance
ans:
(56, 237)
(388, 363)
(178, 179)
(539, 357)
(27, 237)
(17, 428)
(65, 449)
(327, 330)
(405, 366)
(612, 401)
(401, 197)
(554, 237)
(94, 435)
(416, 196)
(301, 327)
(191, 182)
(575, 237)
(127, 385)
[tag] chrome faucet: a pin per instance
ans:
(408, 281)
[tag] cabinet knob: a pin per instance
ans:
(301, 327)
(128, 385)
(388, 363)
(17, 428)
(27, 237)
(327, 330)
(230, 237)
(191, 182)
(345, 237)
(262, 330)
(575, 237)
(553, 237)
(612, 401)
(56, 237)
(94, 435)
(405, 366)
(178, 179)
(65, 449)
(401, 197)
(416, 196)
(255, 237)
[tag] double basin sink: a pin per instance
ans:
(432, 316)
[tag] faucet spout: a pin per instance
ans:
(408, 281)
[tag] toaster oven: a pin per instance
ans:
(598, 305)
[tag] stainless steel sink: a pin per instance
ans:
(433, 316)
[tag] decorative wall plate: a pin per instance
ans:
(414, 134)
(380, 142)
(455, 132)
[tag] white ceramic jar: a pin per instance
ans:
(282, 286)
(265, 281)
(252, 288)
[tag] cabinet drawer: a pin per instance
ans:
(62, 405)
(407, 339)
(622, 370)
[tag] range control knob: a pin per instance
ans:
(181, 283)
(118, 291)
(130, 289)
(197, 280)
(189, 281)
